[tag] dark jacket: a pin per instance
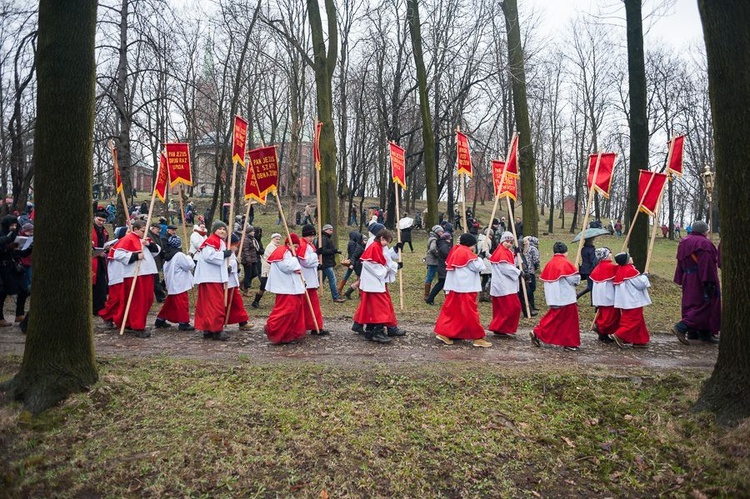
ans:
(443, 248)
(10, 277)
(328, 251)
(354, 251)
(588, 259)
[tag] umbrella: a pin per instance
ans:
(405, 223)
(590, 232)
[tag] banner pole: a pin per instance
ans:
(520, 263)
(588, 209)
(320, 226)
(291, 247)
(230, 225)
(239, 255)
(122, 191)
(398, 239)
(656, 226)
(182, 216)
(137, 265)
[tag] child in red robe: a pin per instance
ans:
(603, 295)
(286, 322)
(631, 295)
(211, 275)
(559, 326)
(506, 306)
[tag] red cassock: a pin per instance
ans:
(632, 327)
(375, 308)
(560, 326)
(209, 308)
(459, 317)
(237, 313)
(607, 319)
(315, 302)
(113, 302)
(506, 313)
(143, 298)
(286, 322)
(176, 308)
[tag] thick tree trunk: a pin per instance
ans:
(638, 128)
(428, 139)
(59, 355)
(526, 162)
(725, 22)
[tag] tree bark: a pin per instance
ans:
(428, 139)
(526, 162)
(59, 355)
(725, 22)
(638, 128)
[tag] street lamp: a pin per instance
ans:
(708, 184)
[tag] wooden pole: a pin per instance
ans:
(291, 247)
(239, 253)
(137, 265)
(182, 215)
(122, 191)
(656, 226)
(320, 226)
(588, 209)
(462, 180)
(398, 239)
(520, 263)
(230, 224)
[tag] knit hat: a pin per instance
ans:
(467, 239)
(172, 227)
(507, 236)
(622, 258)
(375, 228)
(700, 227)
(560, 248)
(174, 242)
(602, 253)
(275, 234)
(308, 230)
(437, 229)
(27, 227)
(120, 232)
(446, 235)
(249, 229)
(294, 238)
(217, 225)
(235, 238)
(327, 227)
(101, 214)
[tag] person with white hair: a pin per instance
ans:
(431, 258)
(603, 295)
(506, 306)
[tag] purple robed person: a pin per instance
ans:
(697, 273)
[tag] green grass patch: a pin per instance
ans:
(163, 427)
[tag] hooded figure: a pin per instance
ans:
(431, 258)
(603, 295)
(10, 278)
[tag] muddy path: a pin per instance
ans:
(419, 346)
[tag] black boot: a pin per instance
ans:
(349, 292)
(358, 328)
(256, 300)
(379, 335)
(395, 331)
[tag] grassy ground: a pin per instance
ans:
(178, 428)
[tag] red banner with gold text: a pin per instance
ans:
(398, 164)
(265, 169)
(497, 175)
(512, 159)
(239, 140)
(162, 178)
(463, 155)
(316, 144)
(178, 160)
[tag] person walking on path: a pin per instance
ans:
(196, 239)
(354, 250)
(11, 281)
(211, 274)
(236, 308)
(506, 306)
(329, 252)
(265, 267)
(631, 295)
(116, 275)
(431, 258)
(444, 245)
(286, 322)
(308, 260)
(459, 315)
(560, 325)
(178, 268)
(250, 259)
(697, 273)
(603, 295)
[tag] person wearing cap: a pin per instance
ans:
(116, 276)
(308, 259)
(375, 310)
(431, 258)
(286, 322)
(459, 315)
(236, 309)
(444, 245)
(631, 295)
(603, 295)
(178, 268)
(196, 239)
(99, 282)
(506, 306)
(698, 275)
(265, 267)
(129, 250)
(250, 259)
(211, 274)
(329, 252)
(559, 326)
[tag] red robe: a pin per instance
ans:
(315, 302)
(506, 310)
(560, 325)
(459, 317)
(237, 313)
(113, 302)
(209, 308)
(632, 327)
(607, 316)
(286, 321)
(176, 308)
(143, 298)
(375, 308)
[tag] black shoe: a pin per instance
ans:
(534, 340)
(321, 332)
(571, 349)
(161, 324)
(429, 302)
(184, 326)
(255, 304)
(221, 336)
(379, 336)
(707, 337)
(693, 335)
(207, 335)
(396, 331)
(142, 333)
(358, 328)
(605, 339)
(678, 331)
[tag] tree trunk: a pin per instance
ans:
(638, 128)
(428, 139)
(526, 162)
(725, 22)
(59, 355)
(124, 158)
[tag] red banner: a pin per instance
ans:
(604, 174)
(509, 187)
(674, 161)
(316, 145)
(463, 155)
(497, 175)
(240, 138)
(178, 160)
(650, 186)
(118, 179)
(265, 168)
(398, 164)
(162, 178)
(512, 159)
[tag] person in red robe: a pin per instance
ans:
(506, 305)
(603, 295)
(211, 276)
(459, 315)
(286, 322)
(308, 259)
(631, 295)
(560, 325)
